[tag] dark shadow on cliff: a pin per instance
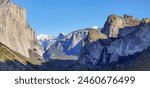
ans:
(16, 66)
(137, 62)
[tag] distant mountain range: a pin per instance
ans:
(122, 44)
(118, 44)
(46, 40)
(64, 47)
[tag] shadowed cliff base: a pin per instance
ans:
(17, 66)
(142, 62)
(58, 65)
(126, 52)
(13, 61)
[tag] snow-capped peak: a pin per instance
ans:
(46, 40)
(62, 33)
(95, 27)
(45, 37)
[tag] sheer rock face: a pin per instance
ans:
(114, 23)
(117, 52)
(15, 32)
(91, 51)
(67, 47)
(4, 1)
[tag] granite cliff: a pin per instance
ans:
(66, 47)
(114, 23)
(19, 47)
(122, 44)
(127, 39)
(15, 32)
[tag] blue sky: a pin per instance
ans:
(55, 16)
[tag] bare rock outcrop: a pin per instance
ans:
(15, 32)
(95, 35)
(4, 1)
(114, 23)
(67, 47)
(117, 52)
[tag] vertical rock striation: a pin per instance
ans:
(15, 32)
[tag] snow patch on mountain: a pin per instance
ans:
(67, 46)
(95, 27)
(46, 40)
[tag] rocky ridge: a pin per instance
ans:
(46, 41)
(67, 47)
(118, 50)
(114, 23)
